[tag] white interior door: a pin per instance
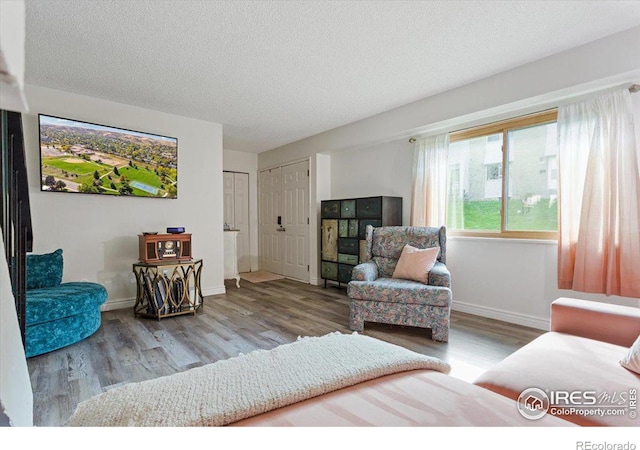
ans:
(284, 220)
(295, 195)
(236, 214)
(268, 228)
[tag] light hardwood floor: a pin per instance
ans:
(256, 316)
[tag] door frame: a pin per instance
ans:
(270, 261)
(312, 210)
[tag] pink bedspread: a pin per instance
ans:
(415, 398)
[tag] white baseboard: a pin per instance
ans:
(482, 311)
(216, 290)
(122, 303)
(500, 314)
(315, 281)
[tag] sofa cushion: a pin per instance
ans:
(386, 266)
(49, 336)
(558, 361)
(64, 300)
(616, 324)
(439, 275)
(415, 263)
(44, 270)
(417, 398)
(366, 271)
(631, 360)
(399, 291)
(387, 243)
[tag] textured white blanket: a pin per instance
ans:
(234, 389)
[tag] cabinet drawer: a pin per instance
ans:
(348, 209)
(330, 209)
(353, 228)
(363, 227)
(344, 273)
(329, 239)
(329, 270)
(348, 246)
(369, 207)
(348, 259)
(343, 228)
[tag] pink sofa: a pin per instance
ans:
(580, 354)
(417, 398)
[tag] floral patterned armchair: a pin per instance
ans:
(377, 297)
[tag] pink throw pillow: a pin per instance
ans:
(415, 263)
(631, 360)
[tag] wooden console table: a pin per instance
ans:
(166, 289)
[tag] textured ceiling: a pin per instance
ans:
(276, 72)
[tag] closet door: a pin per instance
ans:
(236, 214)
(269, 229)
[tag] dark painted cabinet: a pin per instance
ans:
(344, 227)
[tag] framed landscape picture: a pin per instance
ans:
(88, 158)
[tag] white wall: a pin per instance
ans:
(12, 33)
(506, 279)
(319, 189)
(382, 169)
(236, 161)
(526, 88)
(99, 234)
(16, 395)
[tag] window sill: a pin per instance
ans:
(501, 239)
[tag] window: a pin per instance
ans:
(494, 172)
(503, 179)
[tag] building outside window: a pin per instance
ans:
(503, 179)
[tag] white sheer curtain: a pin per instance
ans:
(430, 168)
(599, 196)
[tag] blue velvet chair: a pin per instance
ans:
(58, 314)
